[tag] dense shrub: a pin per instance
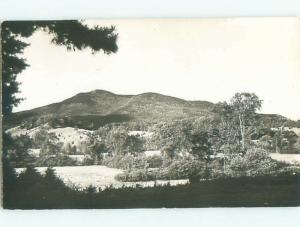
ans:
(90, 189)
(155, 161)
(137, 175)
(59, 160)
(119, 161)
(130, 161)
(217, 169)
(255, 162)
(288, 170)
(191, 169)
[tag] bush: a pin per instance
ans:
(216, 169)
(137, 175)
(288, 170)
(154, 161)
(130, 161)
(90, 189)
(119, 161)
(59, 160)
(87, 161)
(191, 169)
(255, 162)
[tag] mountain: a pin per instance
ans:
(93, 109)
(98, 102)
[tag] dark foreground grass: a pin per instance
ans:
(238, 192)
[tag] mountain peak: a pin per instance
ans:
(100, 91)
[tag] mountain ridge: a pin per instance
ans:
(83, 98)
(90, 110)
(102, 104)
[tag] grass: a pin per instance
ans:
(97, 176)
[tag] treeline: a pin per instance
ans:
(88, 122)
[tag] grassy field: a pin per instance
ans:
(98, 176)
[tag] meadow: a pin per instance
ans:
(100, 177)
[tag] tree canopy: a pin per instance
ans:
(72, 34)
(237, 116)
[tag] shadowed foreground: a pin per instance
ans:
(237, 192)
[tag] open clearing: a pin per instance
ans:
(98, 176)
(288, 158)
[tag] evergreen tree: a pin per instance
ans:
(74, 35)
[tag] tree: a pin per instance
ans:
(244, 106)
(9, 175)
(96, 151)
(30, 177)
(18, 153)
(50, 174)
(70, 149)
(235, 122)
(225, 123)
(173, 137)
(47, 142)
(134, 144)
(285, 141)
(201, 147)
(238, 117)
(118, 141)
(73, 34)
(168, 151)
(53, 182)
(204, 138)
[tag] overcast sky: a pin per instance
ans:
(193, 59)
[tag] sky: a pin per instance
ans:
(193, 59)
